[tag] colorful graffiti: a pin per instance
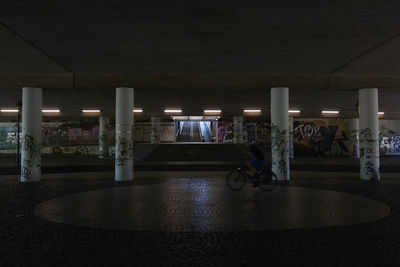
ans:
(123, 148)
(257, 132)
(104, 137)
(314, 136)
(76, 137)
(369, 154)
(77, 150)
(31, 161)
(324, 137)
(54, 134)
(280, 150)
(70, 138)
(225, 132)
(238, 130)
(389, 137)
(142, 132)
(253, 132)
(8, 136)
(390, 143)
(250, 133)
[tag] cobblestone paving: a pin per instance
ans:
(209, 205)
(26, 239)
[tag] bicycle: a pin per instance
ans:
(265, 178)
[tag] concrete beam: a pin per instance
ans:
(22, 64)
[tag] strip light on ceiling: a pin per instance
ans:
(90, 110)
(330, 112)
(196, 118)
(181, 118)
(173, 110)
(50, 110)
(381, 113)
(294, 111)
(252, 111)
(212, 111)
(9, 110)
(138, 110)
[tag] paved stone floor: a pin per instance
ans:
(208, 205)
(362, 237)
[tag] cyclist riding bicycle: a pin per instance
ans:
(260, 175)
(255, 159)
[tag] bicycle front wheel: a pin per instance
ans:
(268, 180)
(235, 180)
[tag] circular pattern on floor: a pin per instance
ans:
(208, 205)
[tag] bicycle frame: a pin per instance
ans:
(254, 179)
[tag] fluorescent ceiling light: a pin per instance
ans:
(252, 110)
(294, 111)
(137, 110)
(181, 118)
(9, 110)
(209, 118)
(330, 112)
(50, 110)
(212, 111)
(195, 118)
(381, 113)
(173, 110)
(90, 110)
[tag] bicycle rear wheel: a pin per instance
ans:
(235, 180)
(268, 180)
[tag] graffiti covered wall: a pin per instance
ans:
(70, 138)
(225, 132)
(333, 137)
(143, 132)
(312, 136)
(54, 134)
(257, 132)
(317, 136)
(389, 137)
(8, 136)
(253, 132)
(76, 137)
(321, 137)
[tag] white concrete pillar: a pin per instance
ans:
(291, 136)
(238, 130)
(354, 140)
(31, 161)
(280, 132)
(369, 134)
(124, 134)
(155, 130)
(104, 137)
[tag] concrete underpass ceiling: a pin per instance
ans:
(201, 54)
